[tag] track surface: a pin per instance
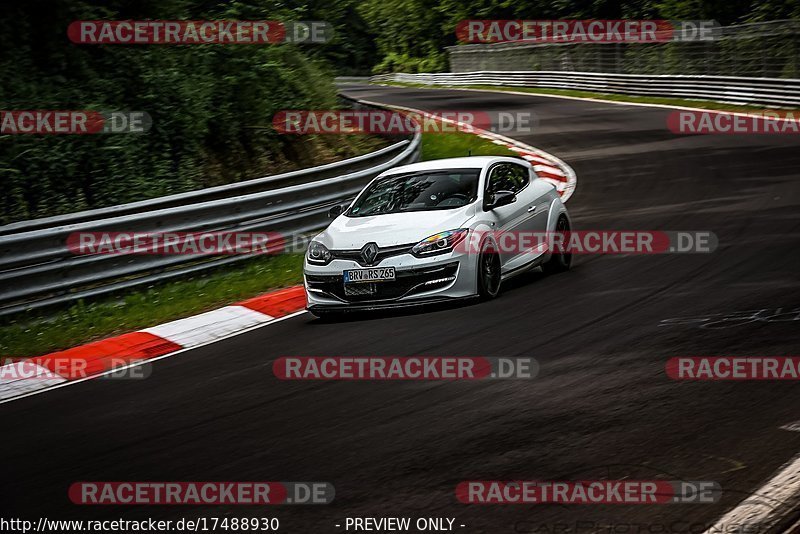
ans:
(602, 406)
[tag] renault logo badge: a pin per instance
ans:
(369, 252)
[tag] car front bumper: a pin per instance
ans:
(418, 281)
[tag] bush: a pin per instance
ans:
(211, 107)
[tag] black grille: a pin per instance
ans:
(383, 253)
(359, 290)
(407, 282)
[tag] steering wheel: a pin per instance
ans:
(455, 196)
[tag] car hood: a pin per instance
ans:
(349, 233)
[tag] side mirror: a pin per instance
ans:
(335, 211)
(501, 198)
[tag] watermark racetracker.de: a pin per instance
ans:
(51, 367)
(179, 243)
(73, 122)
(585, 31)
(201, 493)
(591, 242)
(404, 368)
(767, 122)
(349, 122)
(198, 32)
(639, 492)
(734, 368)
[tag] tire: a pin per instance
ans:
(559, 261)
(488, 272)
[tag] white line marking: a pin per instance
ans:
(603, 101)
(202, 328)
(547, 168)
(767, 505)
(163, 356)
(535, 158)
(792, 427)
(25, 376)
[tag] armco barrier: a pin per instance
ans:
(756, 50)
(727, 89)
(37, 269)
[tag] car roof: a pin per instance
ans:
(470, 162)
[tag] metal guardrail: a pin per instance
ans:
(728, 89)
(339, 80)
(760, 49)
(37, 268)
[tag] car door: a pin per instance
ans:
(539, 200)
(512, 218)
(536, 197)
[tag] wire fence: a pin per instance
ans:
(768, 49)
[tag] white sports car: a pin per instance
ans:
(428, 232)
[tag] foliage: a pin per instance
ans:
(211, 106)
(411, 35)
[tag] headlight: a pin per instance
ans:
(318, 254)
(439, 243)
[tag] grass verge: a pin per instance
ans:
(82, 322)
(26, 335)
(453, 145)
(682, 102)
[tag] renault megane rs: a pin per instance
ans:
(428, 232)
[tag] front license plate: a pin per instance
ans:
(379, 274)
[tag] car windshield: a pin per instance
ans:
(424, 191)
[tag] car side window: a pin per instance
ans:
(507, 177)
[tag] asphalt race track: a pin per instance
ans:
(602, 406)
